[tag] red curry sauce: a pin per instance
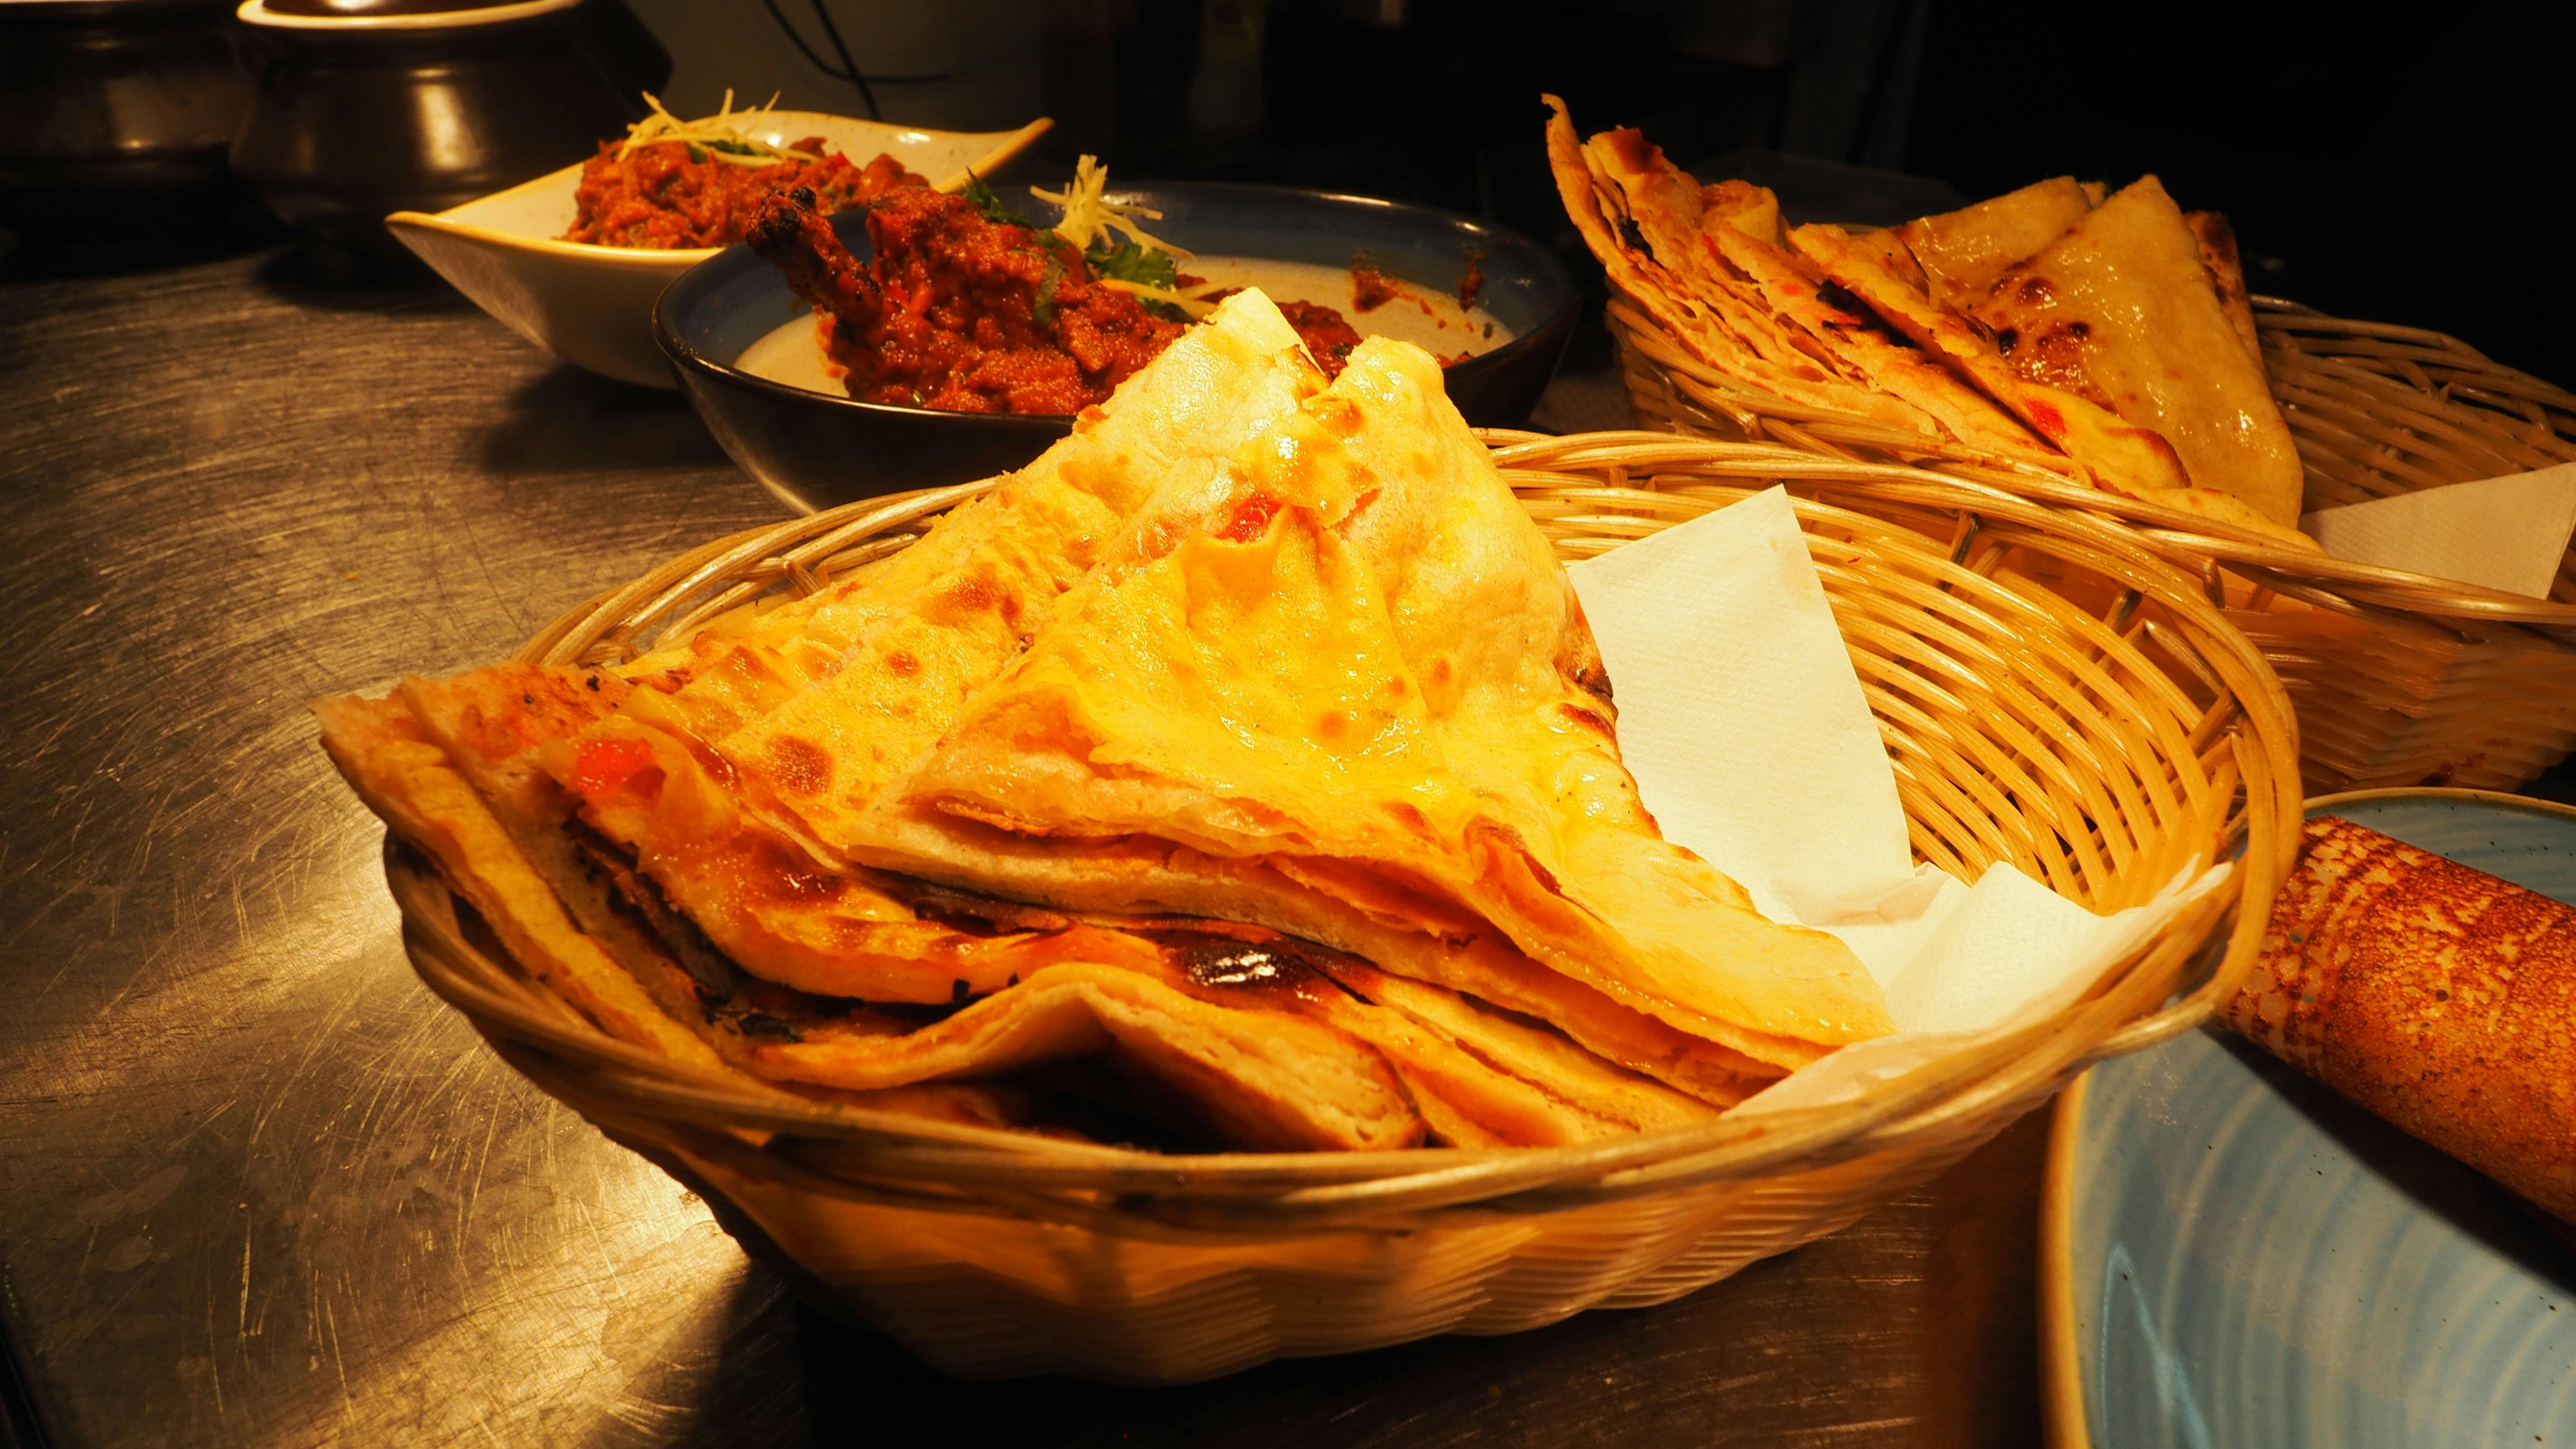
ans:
(672, 195)
(961, 313)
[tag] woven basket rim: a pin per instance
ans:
(1339, 1188)
(2311, 575)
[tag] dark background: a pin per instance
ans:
(2413, 170)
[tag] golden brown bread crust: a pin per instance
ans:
(2437, 996)
(1962, 252)
(1714, 327)
(2123, 311)
(2227, 273)
(1263, 1074)
(407, 781)
(1350, 671)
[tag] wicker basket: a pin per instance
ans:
(2400, 679)
(2021, 727)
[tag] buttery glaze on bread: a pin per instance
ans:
(1337, 710)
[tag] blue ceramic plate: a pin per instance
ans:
(2235, 1256)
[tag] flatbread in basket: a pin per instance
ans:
(1249, 669)
(2053, 331)
(1955, 342)
(1240, 775)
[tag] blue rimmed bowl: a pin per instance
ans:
(2232, 1254)
(816, 449)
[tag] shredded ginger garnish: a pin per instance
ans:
(726, 135)
(1088, 217)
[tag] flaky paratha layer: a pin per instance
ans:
(1363, 652)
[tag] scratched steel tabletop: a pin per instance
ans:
(258, 1187)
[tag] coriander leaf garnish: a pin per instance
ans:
(991, 205)
(1129, 262)
(1143, 266)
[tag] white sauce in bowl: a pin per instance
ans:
(1433, 321)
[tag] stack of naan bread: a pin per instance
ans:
(2107, 338)
(1241, 773)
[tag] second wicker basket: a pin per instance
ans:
(2400, 679)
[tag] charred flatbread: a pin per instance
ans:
(2114, 453)
(1797, 291)
(1729, 253)
(2218, 253)
(1704, 325)
(2122, 310)
(1962, 252)
(2126, 459)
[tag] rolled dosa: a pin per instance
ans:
(2439, 997)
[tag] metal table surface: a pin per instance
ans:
(258, 1187)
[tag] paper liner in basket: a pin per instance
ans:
(1754, 745)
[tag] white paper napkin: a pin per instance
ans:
(1752, 744)
(1714, 629)
(2505, 533)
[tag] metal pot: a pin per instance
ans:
(366, 107)
(114, 116)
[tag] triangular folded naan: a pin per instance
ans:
(2116, 453)
(2124, 458)
(1962, 252)
(953, 623)
(2122, 311)
(643, 768)
(1216, 385)
(1356, 667)
(1796, 291)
